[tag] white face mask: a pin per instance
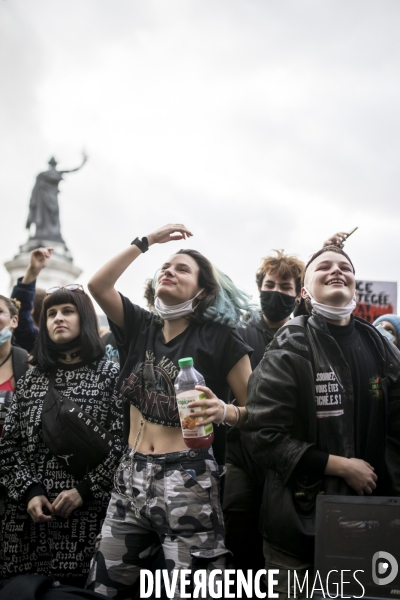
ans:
(334, 313)
(5, 335)
(169, 313)
(386, 333)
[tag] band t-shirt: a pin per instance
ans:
(362, 358)
(149, 366)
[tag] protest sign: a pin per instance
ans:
(375, 298)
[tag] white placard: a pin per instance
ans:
(375, 298)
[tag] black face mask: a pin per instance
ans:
(276, 306)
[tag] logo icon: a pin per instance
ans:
(384, 563)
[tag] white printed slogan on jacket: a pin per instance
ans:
(327, 395)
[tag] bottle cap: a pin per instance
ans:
(185, 362)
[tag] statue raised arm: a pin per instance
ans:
(84, 159)
(43, 207)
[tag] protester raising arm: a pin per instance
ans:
(102, 288)
(196, 311)
(24, 291)
(101, 285)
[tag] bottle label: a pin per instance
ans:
(188, 423)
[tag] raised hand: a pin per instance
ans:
(337, 239)
(169, 233)
(38, 260)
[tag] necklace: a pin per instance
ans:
(68, 356)
(6, 358)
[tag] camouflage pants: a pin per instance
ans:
(178, 507)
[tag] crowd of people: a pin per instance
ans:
(96, 480)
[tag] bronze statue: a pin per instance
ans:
(43, 207)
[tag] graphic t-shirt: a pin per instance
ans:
(149, 366)
(369, 410)
(364, 415)
(111, 352)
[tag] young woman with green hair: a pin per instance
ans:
(165, 494)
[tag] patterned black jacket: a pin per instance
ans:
(23, 455)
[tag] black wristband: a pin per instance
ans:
(142, 244)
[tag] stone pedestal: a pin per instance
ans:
(59, 271)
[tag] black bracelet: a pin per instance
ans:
(142, 244)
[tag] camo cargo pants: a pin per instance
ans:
(178, 507)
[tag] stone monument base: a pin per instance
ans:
(59, 271)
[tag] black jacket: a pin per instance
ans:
(26, 332)
(19, 362)
(282, 410)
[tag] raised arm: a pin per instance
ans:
(84, 159)
(24, 291)
(338, 239)
(38, 260)
(102, 283)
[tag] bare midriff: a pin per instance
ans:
(154, 439)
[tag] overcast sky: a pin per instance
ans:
(259, 124)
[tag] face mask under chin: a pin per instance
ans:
(5, 335)
(171, 313)
(333, 313)
(276, 306)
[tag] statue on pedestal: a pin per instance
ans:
(43, 208)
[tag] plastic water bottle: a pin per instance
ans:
(194, 436)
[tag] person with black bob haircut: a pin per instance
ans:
(88, 342)
(54, 511)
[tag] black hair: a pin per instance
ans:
(39, 296)
(91, 346)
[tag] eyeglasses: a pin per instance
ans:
(71, 287)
